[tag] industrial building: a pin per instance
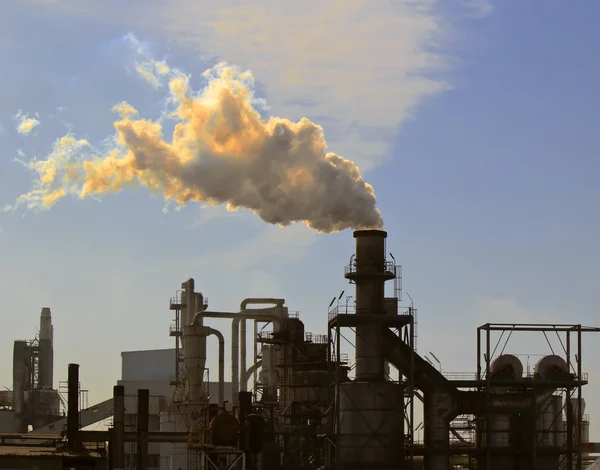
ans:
(298, 400)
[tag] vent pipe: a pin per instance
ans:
(73, 406)
(118, 444)
(142, 428)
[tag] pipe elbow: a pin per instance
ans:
(217, 333)
(261, 300)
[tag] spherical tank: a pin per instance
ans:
(224, 430)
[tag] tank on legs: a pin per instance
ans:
(224, 430)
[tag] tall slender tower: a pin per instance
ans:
(46, 361)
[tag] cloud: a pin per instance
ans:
(149, 69)
(361, 66)
(221, 151)
(25, 124)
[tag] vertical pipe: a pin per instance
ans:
(73, 406)
(119, 427)
(338, 385)
(488, 454)
(255, 347)
(221, 369)
(411, 385)
(243, 351)
(142, 428)
(190, 301)
(569, 409)
(235, 348)
(579, 404)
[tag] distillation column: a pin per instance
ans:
(371, 409)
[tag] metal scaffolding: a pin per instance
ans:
(568, 455)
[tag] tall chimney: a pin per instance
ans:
(371, 409)
(73, 406)
(369, 272)
(46, 340)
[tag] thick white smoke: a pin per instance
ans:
(220, 151)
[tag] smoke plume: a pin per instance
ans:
(25, 124)
(220, 151)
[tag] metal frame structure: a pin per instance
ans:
(203, 458)
(404, 324)
(571, 453)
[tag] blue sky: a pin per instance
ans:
(476, 123)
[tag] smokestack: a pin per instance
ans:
(46, 340)
(73, 406)
(142, 428)
(369, 271)
(371, 409)
(118, 444)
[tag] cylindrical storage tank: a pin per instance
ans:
(506, 367)
(499, 427)
(194, 342)
(371, 425)
(548, 427)
(224, 430)
(549, 423)
(500, 431)
(438, 410)
(46, 406)
(551, 367)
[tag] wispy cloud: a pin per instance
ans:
(362, 67)
(150, 69)
(479, 8)
(25, 124)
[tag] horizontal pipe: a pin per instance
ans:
(261, 301)
(102, 436)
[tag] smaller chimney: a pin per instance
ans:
(73, 407)
(118, 443)
(142, 428)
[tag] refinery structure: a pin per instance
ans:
(298, 400)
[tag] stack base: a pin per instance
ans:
(371, 426)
